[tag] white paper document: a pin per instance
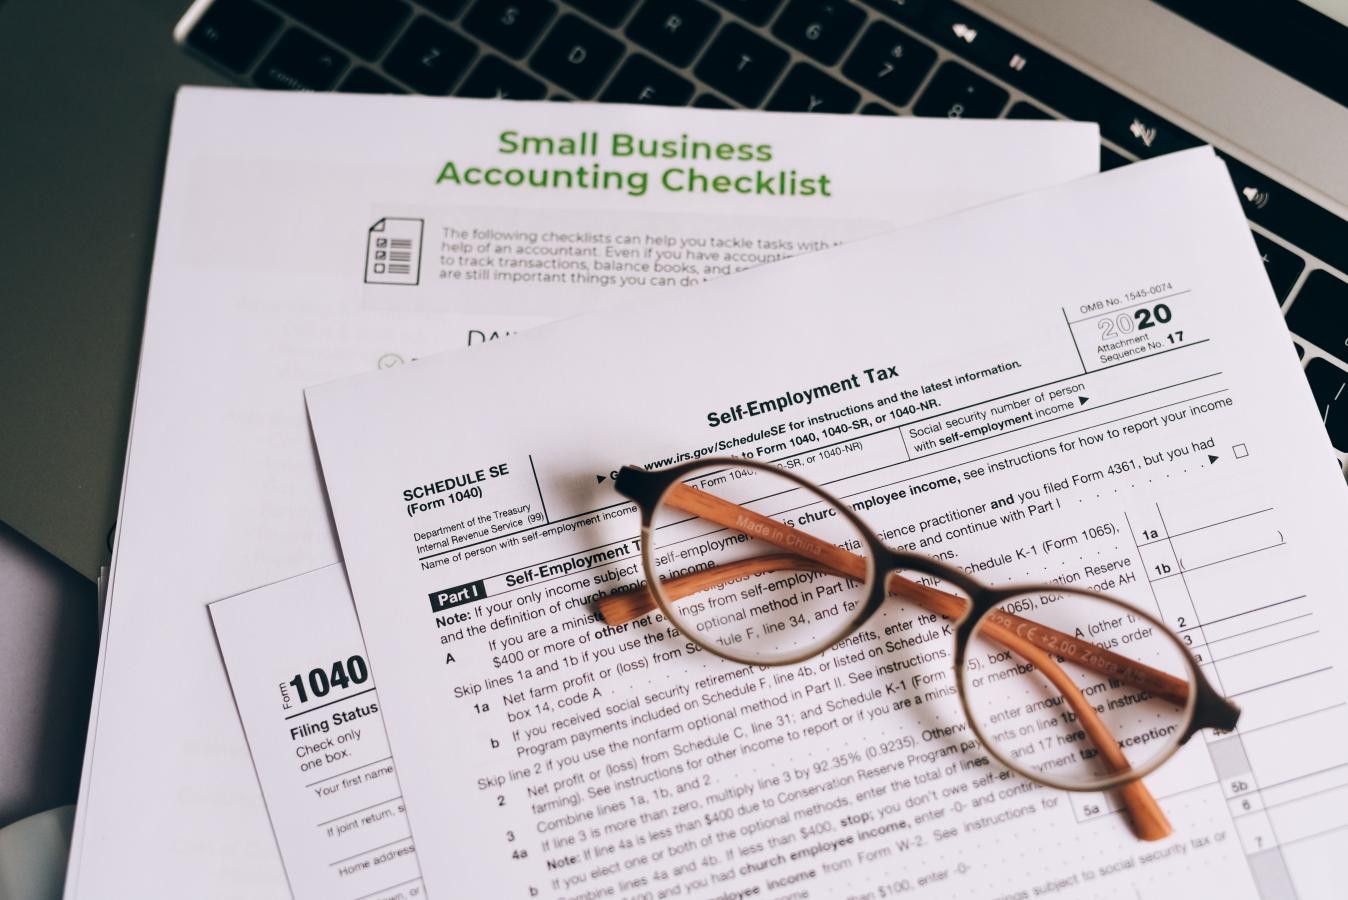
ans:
(308, 703)
(1102, 394)
(268, 277)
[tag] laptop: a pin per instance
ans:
(86, 90)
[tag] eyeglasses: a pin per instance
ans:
(1071, 688)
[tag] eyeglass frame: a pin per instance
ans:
(1206, 707)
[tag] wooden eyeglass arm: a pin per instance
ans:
(617, 609)
(1021, 636)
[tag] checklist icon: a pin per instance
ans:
(393, 251)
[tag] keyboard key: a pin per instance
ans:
(806, 89)
(233, 32)
(741, 65)
(711, 101)
(494, 77)
(909, 12)
(1319, 314)
(610, 12)
(363, 26)
(756, 11)
(1329, 384)
(429, 57)
(821, 28)
(512, 27)
(1141, 131)
(445, 9)
(889, 63)
(958, 93)
(1283, 266)
(1289, 215)
(1003, 54)
(577, 56)
(978, 40)
(643, 80)
(361, 80)
(300, 62)
(1111, 160)
(1023, 110)
(877, 109)
(673, 29)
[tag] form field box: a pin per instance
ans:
(1159, 560)
(1315, 784)
(1256, 832)
(1318, 858)
(1317, 737)
(1225, 541)
(1309, 815)
(1261, 576)
(1270, 668)
(1273, 704)
(1265, 662)
(1249, 647)
(1245, 804)
(1255, 620)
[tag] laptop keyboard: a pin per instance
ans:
(878, 57)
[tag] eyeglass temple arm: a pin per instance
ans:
(816, 555)
(619, 609)
(1149, 822)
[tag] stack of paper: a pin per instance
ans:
(266, 280)
(516, 746)
(1186, 471)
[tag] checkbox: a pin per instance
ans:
(1240, 451)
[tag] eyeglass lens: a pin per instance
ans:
(745, 590)
(1075, 689)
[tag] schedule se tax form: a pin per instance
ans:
(1108, 398)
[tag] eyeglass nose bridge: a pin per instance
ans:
(891, 562)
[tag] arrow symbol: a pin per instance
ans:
(599, 479)
(1083, 400)
(1211, 458)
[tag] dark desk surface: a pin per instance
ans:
(48, 650)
